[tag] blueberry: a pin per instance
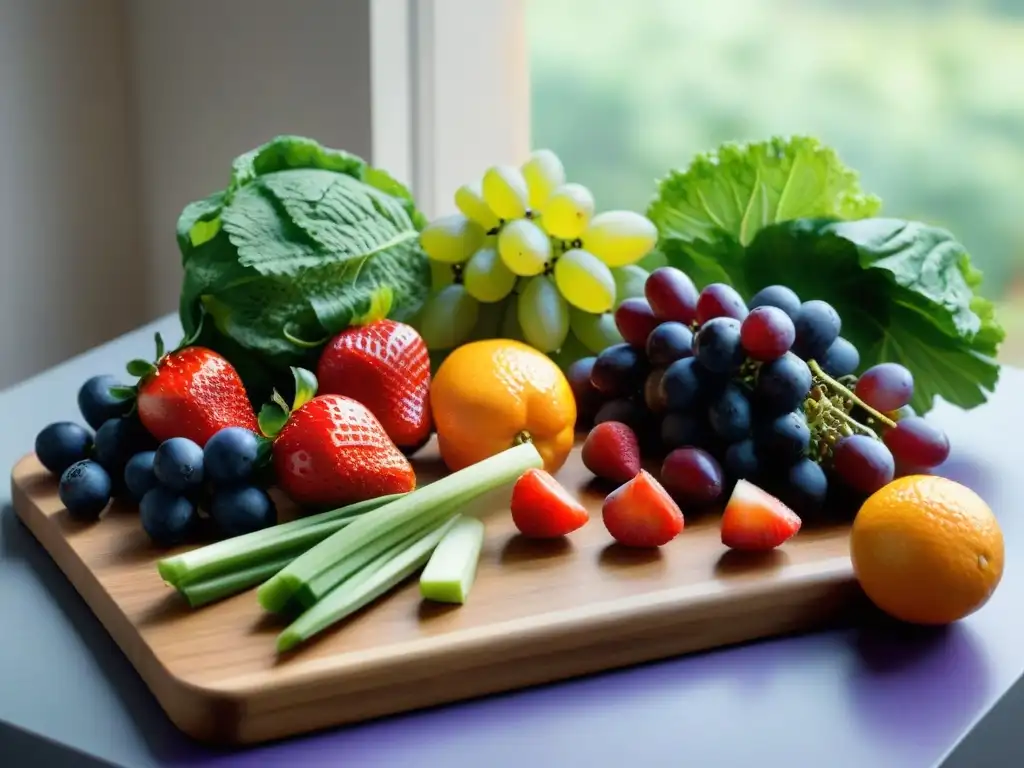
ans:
(167, 518)
(84, 489)
(139, 476)
(61, 444)
(230, 455)
(117, 440)
(178, 464)
(97, 404)
(242, 510)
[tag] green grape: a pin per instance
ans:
(504, 189)
(441, 275)
(469, 198)
(568, 211)
(585, 281)
(543, 314)
(486, 277)
(510, 328)
(524, 247)
(451, 239)
(543, 173)
(448, 317)
(488, 322)
(619, 238)
(629, 283)
(597, 332)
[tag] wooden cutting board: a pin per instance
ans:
(539, 612)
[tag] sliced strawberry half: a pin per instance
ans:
(755, 520)
(612, 451)
(641, 513)
(543, 509)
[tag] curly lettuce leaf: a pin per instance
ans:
(303, 241)
(706, 214)
(906, 293)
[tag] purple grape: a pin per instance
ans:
(692, 476)
(783, 384)
(672, 295)
(767, 333)
(741, 460)
(782, 440)
(817, 326)
(669, 342)
(729, 414)
(629, 412)
(588, 399)
(863, 463)
(841, 358)
(683, 384)
(917, 443)
(885, 387)
(777, 296)
(619, 370)
(720, 300)
(717, 345)
(635, 320)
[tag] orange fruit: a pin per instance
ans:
(491, 395)
(927, 550)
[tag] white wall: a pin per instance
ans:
(214, 79)
(116, 113)
(71, 270)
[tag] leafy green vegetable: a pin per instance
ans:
(741, 188)
(905, 292)
(716, 207)
(304, 241)
(788, 211)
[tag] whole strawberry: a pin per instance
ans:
(330, 450)
(189, 392)
(385, 366)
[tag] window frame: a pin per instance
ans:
(450, 92)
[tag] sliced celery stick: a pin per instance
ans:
(226, 584)
(435, 501)
(377, 577)
(449, 574)
(251, 548)
(310, 592)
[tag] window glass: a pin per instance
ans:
(925, 98)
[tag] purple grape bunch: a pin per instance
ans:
(765, 390)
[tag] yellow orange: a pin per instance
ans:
(490, 395)
(927, 550)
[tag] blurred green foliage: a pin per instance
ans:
(924, 97)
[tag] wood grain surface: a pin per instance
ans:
(538, 612)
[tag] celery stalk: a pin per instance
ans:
(311, 591)
(312, 571)
(251, 549)
(451, 570)
(378, 576)
(224, 585)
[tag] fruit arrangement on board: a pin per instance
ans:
(757, 343)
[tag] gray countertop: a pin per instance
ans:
(876, 695)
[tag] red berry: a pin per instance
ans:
(386, 367)
(333, 451)
(641, 513)
(755, 520)
(543, 509)
(612, 451)
(195, 393)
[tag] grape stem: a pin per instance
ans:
(847, 393)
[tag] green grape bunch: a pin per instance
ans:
(529, 241)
